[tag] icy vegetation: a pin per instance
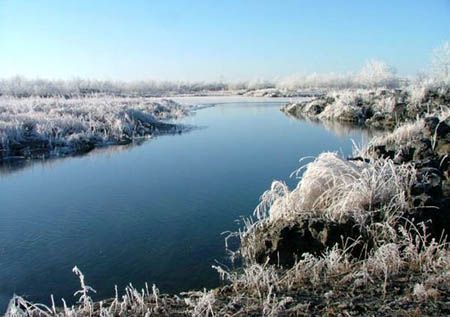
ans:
(40, 127)
(373, 74)
(22, 87)
(383, 104)
(377, 108)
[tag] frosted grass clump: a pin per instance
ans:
(201, 303)
(346, 107)
(65, 125)
(421, 94)
(405, 133)
(418, 91)
(336, 189)
(134, 302)
(352, 105)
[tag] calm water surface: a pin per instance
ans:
(153, 212)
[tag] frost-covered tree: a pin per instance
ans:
(259, 83)
(440, 63)
(376, 73)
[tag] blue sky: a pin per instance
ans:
(213, 40)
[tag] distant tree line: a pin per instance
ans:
(374, 74)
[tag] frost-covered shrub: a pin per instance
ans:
(346, 107)
(377, 73)
(374, 74)
(335, 188)
(316, 80)
(407, 132)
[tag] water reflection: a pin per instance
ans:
(339, 128)
(11, 166)
(14, 165)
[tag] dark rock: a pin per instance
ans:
(317, 109)
(443, 128)
(434, 213)
(423, 149)
(284, 243)
(430, 161)
(423, 200)
(431, 124)
(429, 181)
(83, 145)
(404, 155)
(358, 158)
(367, 112)
(378, 116)
(382, 152)
(442, 147)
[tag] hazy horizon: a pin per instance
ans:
(207, 41)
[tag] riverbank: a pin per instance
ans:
(371, 228)
(35, 127)
(359, 236)
(373, 108)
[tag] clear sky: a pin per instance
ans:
(213, 40)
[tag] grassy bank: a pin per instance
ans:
(37, 127)
(374, 108)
